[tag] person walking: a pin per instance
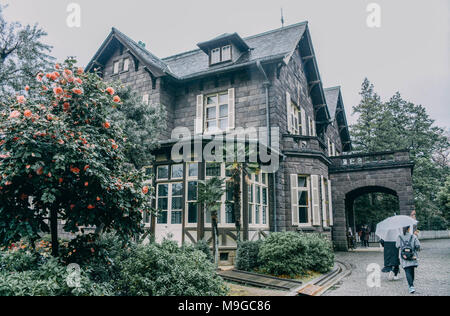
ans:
(367, 236)
(408, 245)
(391, 259)
(363, 235)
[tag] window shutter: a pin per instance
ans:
(330, 203)
(199, 115)
(329, 147)
(315, 200)
(231, 109)
(333, 146)
(303, 121)
(324, 202)
(288, 112)
(313, 122)
(294, 201)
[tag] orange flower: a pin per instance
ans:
(74, 170)
(110, 90)
(21, 99)
(116, 99)
(106, 125)
(28, 166)
(40, 171)
(57, 66)
(98, 198)
(72, 206)
(91, 207)
(61, 142)
(66, 106)
(86, 167)
(68, 72)
(60, 180)
(27, 88)
(49, 117)
(80, 70)
(14, 114)
(145, 190)
(115, 146)
(27, 113)
(77, 91)
(58, 90)
(78, 80)
(86, 184)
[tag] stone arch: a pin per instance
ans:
(352, 183)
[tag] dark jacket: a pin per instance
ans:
(391, 255)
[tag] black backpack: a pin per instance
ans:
(407, 251)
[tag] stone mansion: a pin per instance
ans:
(271, 80)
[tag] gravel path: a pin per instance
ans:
(432, 276)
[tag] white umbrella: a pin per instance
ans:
(391, 228)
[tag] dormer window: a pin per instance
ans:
(220, 54)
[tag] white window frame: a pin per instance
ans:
(216, 52)
(222, 53)
(126, 65)
(217, 118)
(157, 173)
(116, 67)
(189, 179)
(295, 119)
(257, 187)
(169, 202)
(171, 171)
(308, 190)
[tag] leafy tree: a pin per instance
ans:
(444, 199)
(22, 55)
(209, 194)
(62, 158)
(142, 125)
(399, 124)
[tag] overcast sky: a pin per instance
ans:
(408, 53)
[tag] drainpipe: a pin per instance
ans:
(266, 85)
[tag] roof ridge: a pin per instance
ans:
(244, 38)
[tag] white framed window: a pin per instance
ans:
(215, 56)
(170, 203)
(126, 64)
(216, 112)
(333, 149)
(116, 67)
(191, 194)
(226, 53)
(301, 200)
(258, 200)
(295, 119)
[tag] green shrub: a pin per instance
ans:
(283, 254)
(320, 255)
(48, 279)
(167, 270)
(18, 260)
(203, 246)
(247, 255)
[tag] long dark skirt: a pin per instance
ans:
(391, 255)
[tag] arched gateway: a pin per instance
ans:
(355, 175)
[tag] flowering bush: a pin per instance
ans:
(61, 156)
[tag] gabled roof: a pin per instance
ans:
(337, 111)
(272, 45)
(155, 65)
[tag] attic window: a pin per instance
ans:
(126, 64)
(220, 54)
(116, 67)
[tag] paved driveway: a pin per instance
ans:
(432, 276)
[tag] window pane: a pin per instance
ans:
(250, 193)
(192, 213)
(162, 217)
(177, 203)
(116, 67)
(223, 99)
(250, 214)
(163, 190)
(193, 170)
(177, 189)
(211, 125)
(223, 124)
(303, 198)
(192, 191)
(176, 217)
(163, 172)
(258, 194)
(211, 100)
(264, 215)
(162, 204)
(211, 113)
(256, 214)
(229, 195)
(215, 56)
(264, 196)
(226, 53)
(264, 178)
(177, 171)
(229, 214)
(213, 169)
(126, 64)
(223, 110)
(303, 215)
(302, 182)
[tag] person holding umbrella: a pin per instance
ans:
(389, 231)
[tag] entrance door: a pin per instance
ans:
(170, 212)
